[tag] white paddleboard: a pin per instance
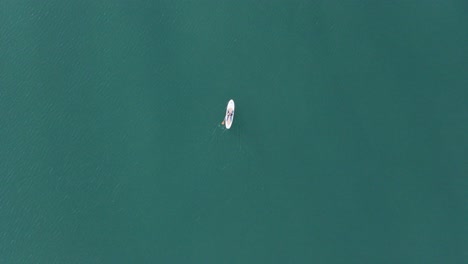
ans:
(229, 118)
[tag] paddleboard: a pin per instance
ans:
(229, 118)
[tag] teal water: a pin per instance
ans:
(349, 143)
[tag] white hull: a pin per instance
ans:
(229, 118)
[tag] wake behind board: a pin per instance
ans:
(229, 118)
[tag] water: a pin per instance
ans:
(348, 146)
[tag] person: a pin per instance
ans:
(229, 115)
